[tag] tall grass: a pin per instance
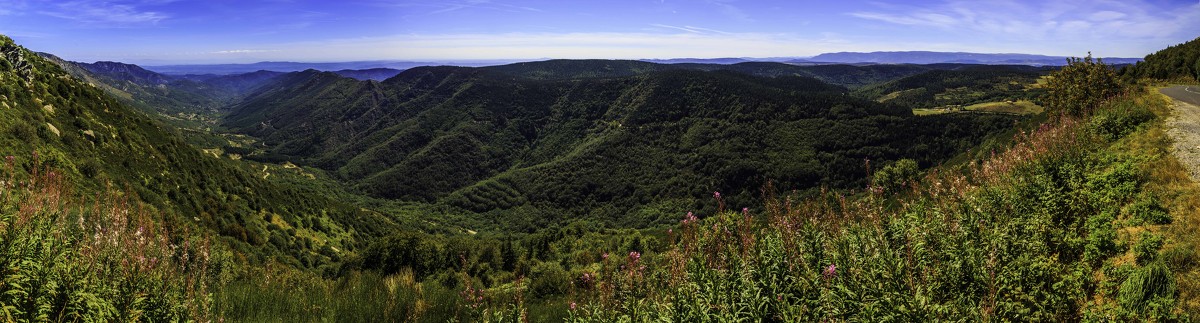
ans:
(63, 258)
(1034, 232)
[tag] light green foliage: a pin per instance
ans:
(62, 259)
(1146, 249)
(1150, 292)
(1081, 86)
(897, 175)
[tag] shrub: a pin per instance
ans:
(1146, 209)
(1147, 247)
(1080, 86)
(897, 175)
(1123, 119)
(549, 279)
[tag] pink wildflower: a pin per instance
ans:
(572, 306)
(717, 195)
(830, 271)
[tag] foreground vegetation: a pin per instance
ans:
(1085, 216)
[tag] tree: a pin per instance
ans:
(1081, 85)
(897, 175)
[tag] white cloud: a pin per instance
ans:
(244, 51)
(577, 45)
(106, 13)
(1115, 24)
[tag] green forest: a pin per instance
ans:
(595, 191)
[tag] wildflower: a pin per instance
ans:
(604, 256)
(746, 211)
(717, 195)
(689, 218)
(9, 158)
(634, 255)
(830, 271)
(572, 306)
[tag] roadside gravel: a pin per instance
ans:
(1184, 127)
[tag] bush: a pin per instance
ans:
(1146, 249)
(1147, 210)
(897, 175)
(1116, 123)
(549, 279)
(1081, 86)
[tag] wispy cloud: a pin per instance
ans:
(244, 51)
(445, 7)
(108, 14)
(9, 7)
(637, 45)
(729, 10)
(693, 29)
(1078, 21)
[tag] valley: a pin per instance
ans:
(598, 190)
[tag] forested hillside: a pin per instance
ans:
(941, 88)
(537, 149)
(1180, 61)
(591, 191)
(52, 120)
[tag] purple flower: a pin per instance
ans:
(634, 255)
(689, 218)
(717, 195)
(745, 211)
(830, 271)
(572, 306)
(604, 256)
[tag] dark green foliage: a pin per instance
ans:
(1113, 124)
(550, 279)
(102, 142)
(1080, 86)
(1178, 62)
(487, 142)
(960, 87)
(849, 76)
(1146, 209)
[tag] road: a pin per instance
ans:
(1184, 126)
(1185, 93)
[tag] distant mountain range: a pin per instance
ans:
(924, 57)
(381, 70)
(226, 69)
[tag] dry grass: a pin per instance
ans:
(1169, 180)
(1017, 107)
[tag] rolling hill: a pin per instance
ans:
(536, 141)
(53, 120)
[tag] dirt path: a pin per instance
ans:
(1184, 127)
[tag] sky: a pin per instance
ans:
(157, 32)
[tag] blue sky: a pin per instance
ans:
(221, 31)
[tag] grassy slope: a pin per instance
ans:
(94, 140)
(1080, 219)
